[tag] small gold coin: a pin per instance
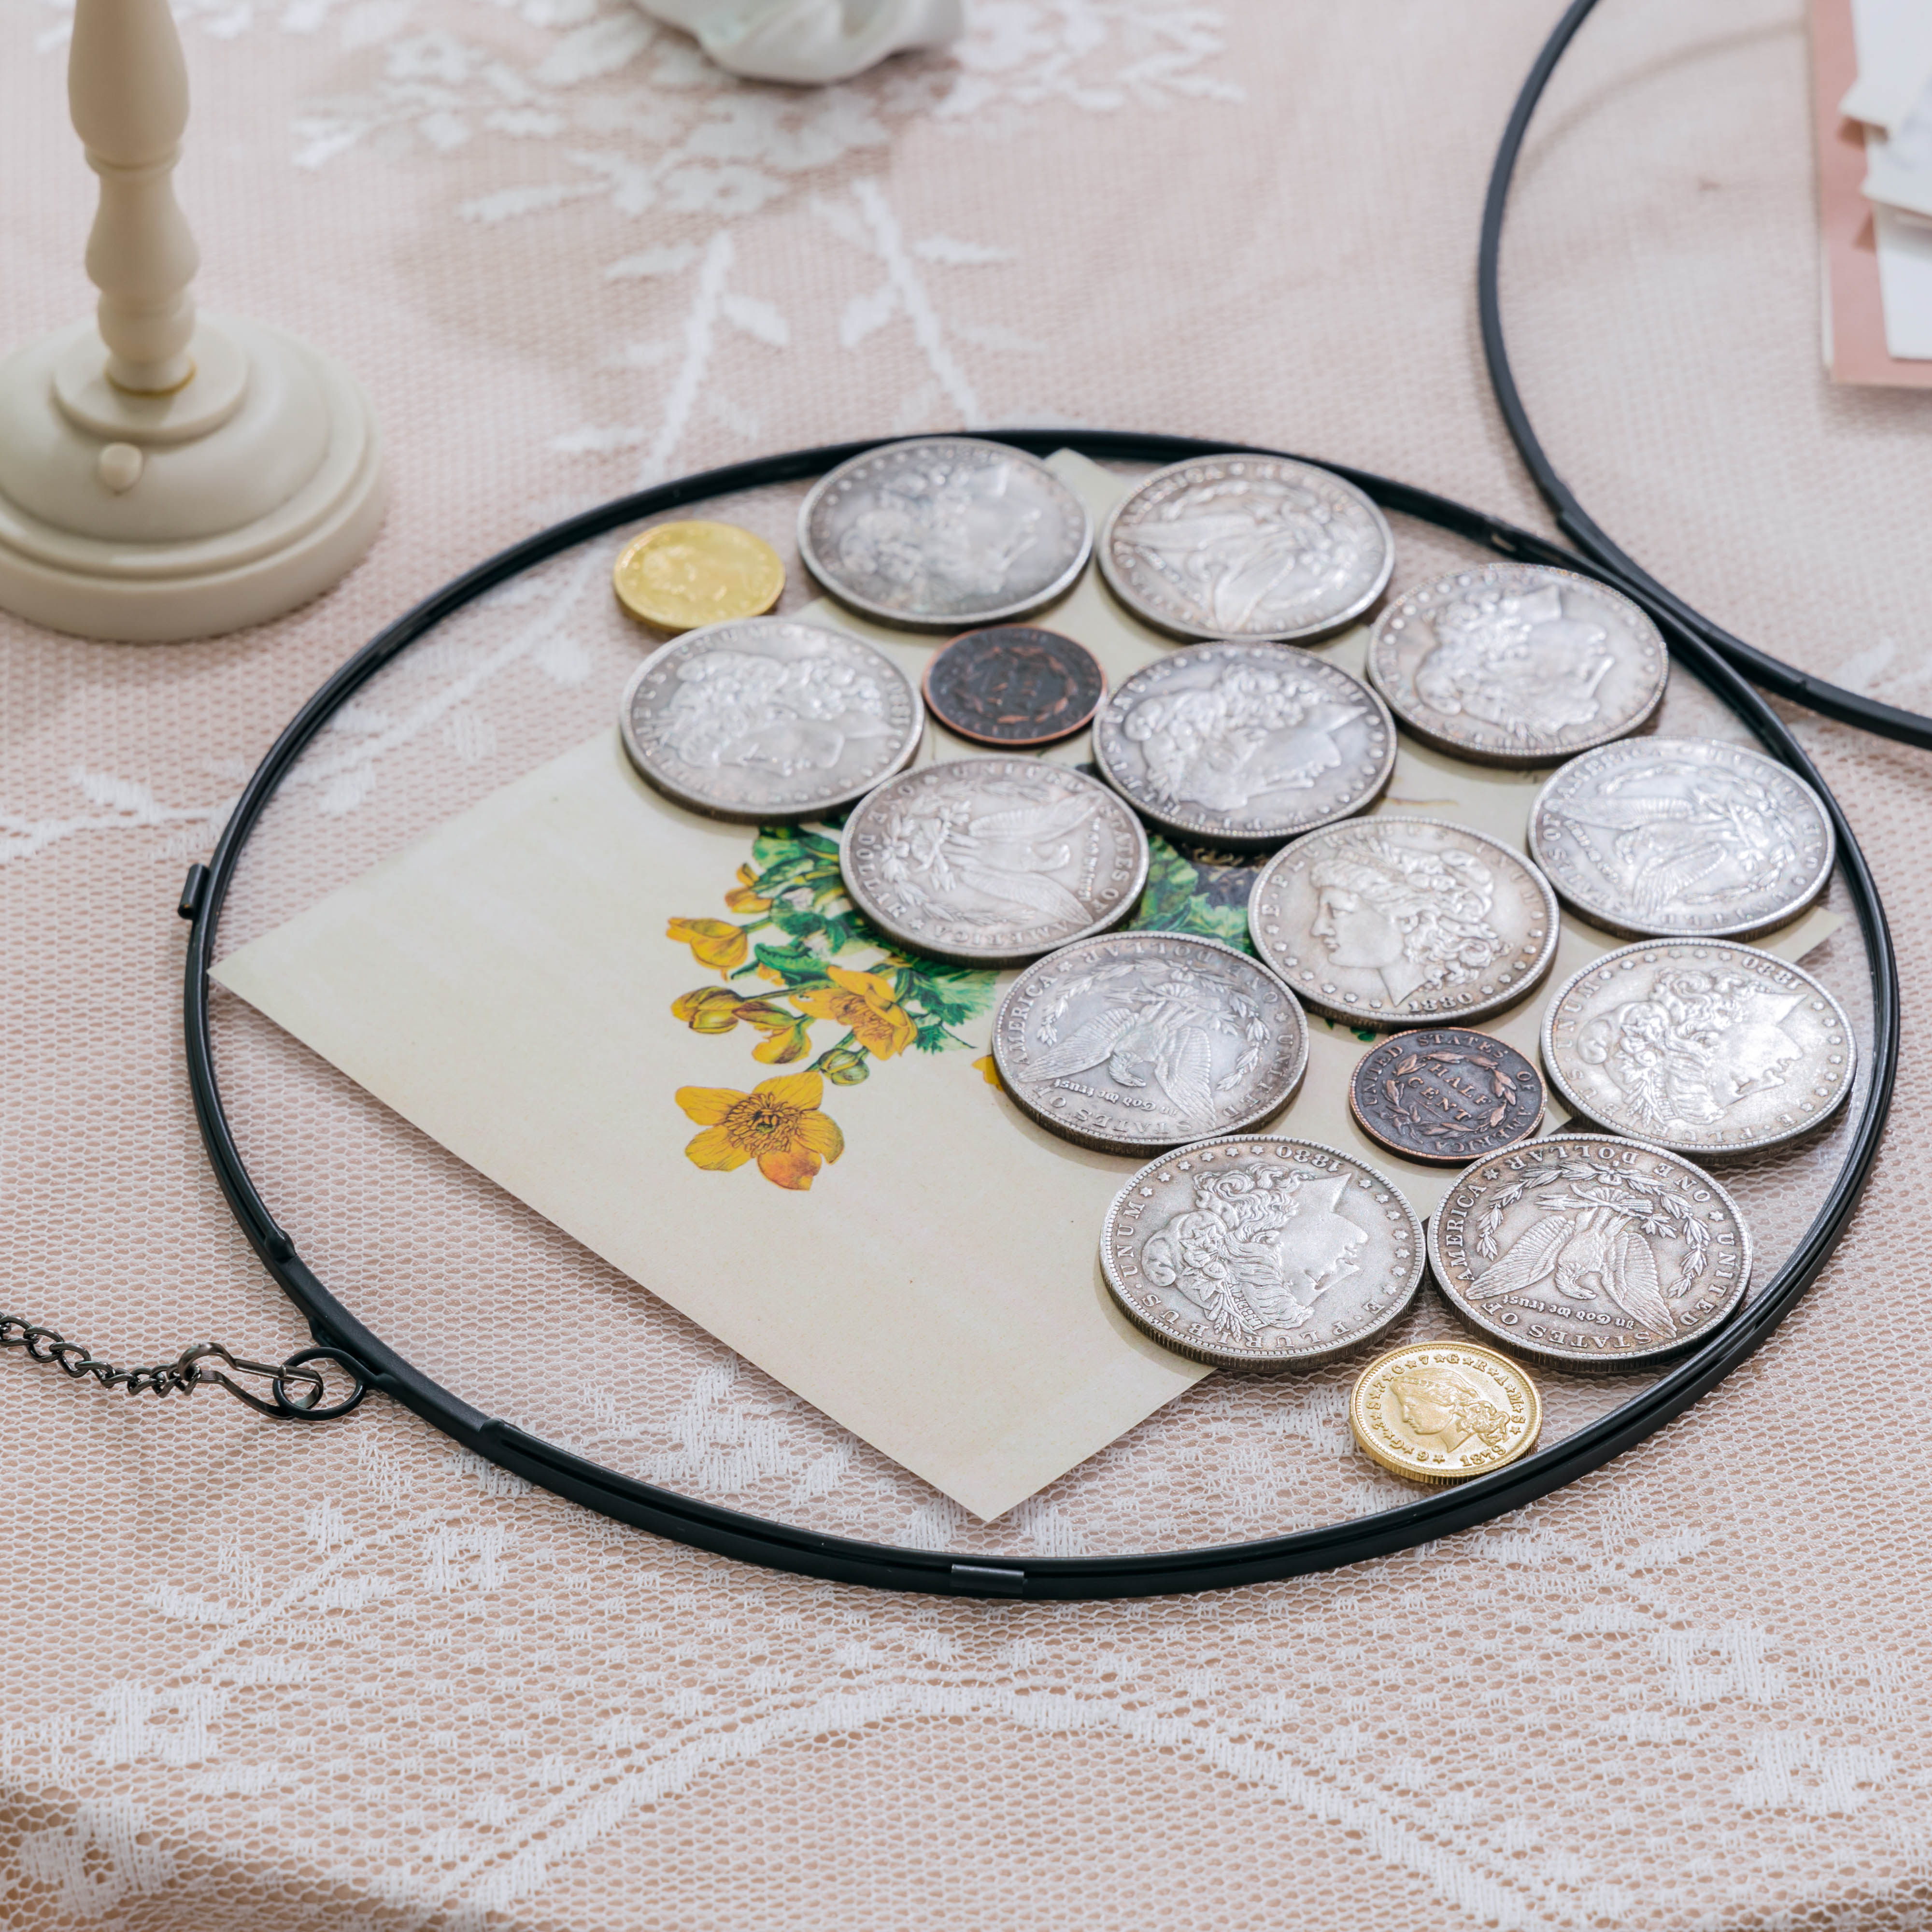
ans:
(1438, 1411)
(680, 576)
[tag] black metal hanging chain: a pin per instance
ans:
(296, 1392)
(1772, 674)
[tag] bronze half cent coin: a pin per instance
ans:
(1014, 685)
(1438, 1412)
(1447, 1095)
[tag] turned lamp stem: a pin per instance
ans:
(127, 90)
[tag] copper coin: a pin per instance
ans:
(1447, 1095)
(1014, 685)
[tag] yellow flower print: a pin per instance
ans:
(989, 1072)
(745, 897)
(867, 1005)
(778, 1124)
(713, 942)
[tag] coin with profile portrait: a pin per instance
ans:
(1515, 664)
(1441, 1412)
(1244, 745)
(1390, 921)
(1260, 1251)
(1261, 549)
(769, 720)
(1699, 1044)
(944, 533)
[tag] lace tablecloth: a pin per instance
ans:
(266, 1678)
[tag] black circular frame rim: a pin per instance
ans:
(841, 1559)
(1614, 564)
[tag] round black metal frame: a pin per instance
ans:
(338, 1332)
(1888, 721)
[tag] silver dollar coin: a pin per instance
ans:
(993, 861)
(1261, 1253)
(1681, 837)
(1257, 548)
(944, 533)
(1515, 665)
(1698, 1045)
(1590, 1252)
(1245, 744)
(1393, 921)
(766, 719)
(1145, 1039)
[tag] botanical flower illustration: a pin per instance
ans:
(778, 1124)
(799, 956)
(1197, 891)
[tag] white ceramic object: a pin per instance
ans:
(164, 475)
(809, 41)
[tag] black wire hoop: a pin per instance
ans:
(1616, 564)
(751, 1539)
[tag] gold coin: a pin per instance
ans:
(680, 576)
(1439, 1412)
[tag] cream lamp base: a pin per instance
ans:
(147, 519)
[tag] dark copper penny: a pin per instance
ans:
(1014, 685)
(1448, 1095)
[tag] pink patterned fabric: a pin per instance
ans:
(272, 1679)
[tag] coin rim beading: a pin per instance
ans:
(1394, 612)
(1220, 835)
(953, 620)
(1583, 1111)
(1271, 1360)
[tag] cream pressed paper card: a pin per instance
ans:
(507, 985)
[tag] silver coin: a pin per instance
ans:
(1245, 744)
(1689, 838)
(1393, 921)
(993, 861)
(765, 719)
(1698, 1045)
(1590, 1252)
(1256, 548)
(1145, 1039)
(1261, 1253)
(1513, 663)
(944, 533)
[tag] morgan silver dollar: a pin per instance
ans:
(1261, 1253)
(1699, 1044)
(1245, 744)
(766, 719)
(992, 861)
(1516, 665)
(944, 533)
(1590, 1253)
(1257, 548)
(1145, 1039)
(1394, 921)
(1692, 837)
